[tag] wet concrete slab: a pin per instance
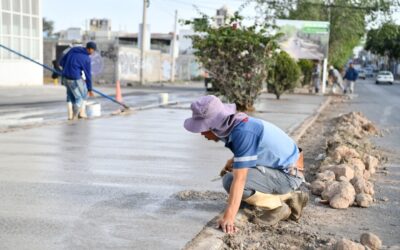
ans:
(109, 183)
(106, 184)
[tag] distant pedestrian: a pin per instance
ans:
(316, 76)
(336, 79)
(76, 65)
(350, 77)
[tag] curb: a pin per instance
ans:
(210, 238)
(300, 130)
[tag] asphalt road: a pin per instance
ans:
(381, 104)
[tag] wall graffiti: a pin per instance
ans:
(110, 53)
(129, 65)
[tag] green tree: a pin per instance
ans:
(347, 19)
(234, 57)
(283, 74)
(306, 67)
(48, 27)
(384, 40)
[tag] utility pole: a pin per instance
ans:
(173, 51)
(143, 39)
(325, 62)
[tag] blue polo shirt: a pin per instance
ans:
(255, 142)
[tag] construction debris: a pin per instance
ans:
(343, 178)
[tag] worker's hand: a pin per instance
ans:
(227, 225)
(90, 94)
(227, 168)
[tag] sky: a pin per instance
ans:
(125, 15)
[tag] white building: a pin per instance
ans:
(21, 30)
(71, 34)
(222, 16)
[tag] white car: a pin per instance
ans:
(384, 77)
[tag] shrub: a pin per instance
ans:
(283, 74)
(234, 57)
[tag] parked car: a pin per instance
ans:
(384, 77)
(361, 74)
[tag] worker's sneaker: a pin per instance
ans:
(297, 202)
(272, 217)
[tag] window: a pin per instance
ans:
(16, 5)
(16, 45)
(6, 23)
(26, 8)
(26, 47)
(35, 49)
(26, 26)
(16, 25)
(5, 5)
(7, 42)
(35, 7)
(35, 27)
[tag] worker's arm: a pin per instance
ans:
(87, 69)
(226, 223)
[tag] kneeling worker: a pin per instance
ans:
(266, 169)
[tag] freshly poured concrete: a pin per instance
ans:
(110, 183)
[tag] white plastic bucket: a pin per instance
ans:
(163, 98)
(93, 109)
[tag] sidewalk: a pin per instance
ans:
(112, 183)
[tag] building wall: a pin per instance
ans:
(122, 62)
(21, 30)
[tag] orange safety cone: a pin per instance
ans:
(118, 95)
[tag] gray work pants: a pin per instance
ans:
(265, 180)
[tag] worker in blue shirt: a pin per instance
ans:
(266, 168)
(350, 77)
(76, 65)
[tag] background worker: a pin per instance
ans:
(75, 63)
(336, 78)
(316, 76)
(265, 170)
(350, 77)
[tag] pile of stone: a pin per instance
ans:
(367, 241)
(344, 175)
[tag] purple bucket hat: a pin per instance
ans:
(208, 112)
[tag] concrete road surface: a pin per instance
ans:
(110, 183)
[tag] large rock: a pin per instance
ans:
(357, 165)
(326, 176)
(341, 170)
(340, 194)
(345, 244)
(366, 175)
(343, 152)
(364, 200)
(371, 163)
(371, 240)
(317, 187)
(362, 186)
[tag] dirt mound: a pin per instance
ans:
(192, 195)
(352, 159)
(286, 235)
